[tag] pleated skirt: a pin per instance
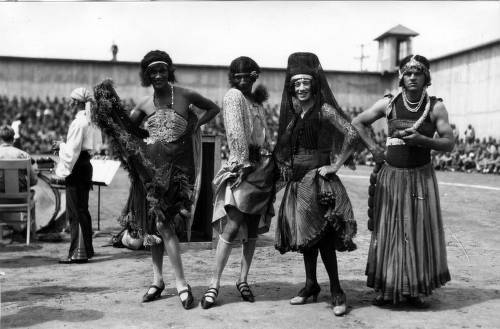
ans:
(407, 254)
(314, 207)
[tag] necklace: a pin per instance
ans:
(155, 99)
(408, 104)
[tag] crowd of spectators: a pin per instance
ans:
(470, 155)
(42, 121)
(47, 120)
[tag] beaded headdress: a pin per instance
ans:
(414, 65)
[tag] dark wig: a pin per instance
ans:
(422, 60)
(242, 64)
(153, 56)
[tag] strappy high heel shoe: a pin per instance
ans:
(339, 304)
(155, 295)
(189, 301)
(305, 293)
(211, 293)
(245, 291)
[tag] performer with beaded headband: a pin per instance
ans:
(315, 139)
(165, 167)
(407, 255)
(245, 186)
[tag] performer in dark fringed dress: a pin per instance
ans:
(164, 167)
(407, 255)
(245, 186)
(315, 139)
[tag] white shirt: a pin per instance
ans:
(82, 136)
(15, 125)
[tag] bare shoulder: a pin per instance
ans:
(381, 104)
(185, 92)
(142, 104)
(439, 110)
(439, 107)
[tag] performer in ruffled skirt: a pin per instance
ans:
(315, 213)
(407, 255)
(244, 188)
(164, 168)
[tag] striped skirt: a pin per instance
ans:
(313, 207)
(407, 254)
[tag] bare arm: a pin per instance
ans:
(442, 143)
(137, 114)
(204, 104)
(366, 118)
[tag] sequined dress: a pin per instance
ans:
(248, 140)
(169, 151)
(407, 254)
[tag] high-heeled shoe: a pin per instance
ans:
(305, 293)
(339, 304)
(210, 293)
(155, 295)
(189, 301)
(245, 291)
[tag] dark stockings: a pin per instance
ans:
(326, 246)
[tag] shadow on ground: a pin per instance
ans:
(33, 260)
(358, 295)
(41, 293)
(30, 316)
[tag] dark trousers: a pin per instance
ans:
(78, 185)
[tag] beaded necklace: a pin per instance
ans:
(408, 104)
(396, 139)
(155, 99)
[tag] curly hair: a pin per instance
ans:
(242, 64)
(153, 56)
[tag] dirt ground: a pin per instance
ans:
(37, 292)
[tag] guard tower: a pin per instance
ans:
(393, 46)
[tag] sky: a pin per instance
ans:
(214, 33)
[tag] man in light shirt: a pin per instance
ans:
(74, 167)
(16, 125)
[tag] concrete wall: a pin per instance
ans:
(32, 77)
(469, 82)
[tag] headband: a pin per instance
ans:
(253, 74)
(414, 66)
(301, 76)
(157, 62)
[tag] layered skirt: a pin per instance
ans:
(162, 188)
(254, 196)
(314, 207)
(407, 254)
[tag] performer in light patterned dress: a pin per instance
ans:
(244, 187)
